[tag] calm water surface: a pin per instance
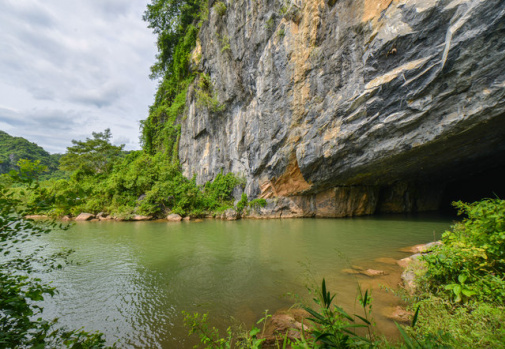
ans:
(135, 279)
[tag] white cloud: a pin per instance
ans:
(81, 64)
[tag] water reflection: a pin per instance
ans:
(136, 278)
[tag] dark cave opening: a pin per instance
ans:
(488, 183)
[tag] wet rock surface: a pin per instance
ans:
(399, 314)
(85, 217)
(230, 215)
(414, 265)
(284, 323)
(352, 107)
(174, 218)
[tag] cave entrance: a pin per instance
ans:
(489, 183)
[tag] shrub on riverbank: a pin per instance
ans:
(139, 183)
(462, 289)
(470, 264)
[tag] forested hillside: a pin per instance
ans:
(13, 149)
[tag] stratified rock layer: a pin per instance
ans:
(350, 107)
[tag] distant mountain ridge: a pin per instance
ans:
(12, 149)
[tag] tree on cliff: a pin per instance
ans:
(169, 20)
(94, 156)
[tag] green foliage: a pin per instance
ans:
(169, 20)
(242, 204)
(225, 43)
(220, 8)
(21, 324)
(205, 95)
(13, 149)
(281, 33)
(28, 170)
(174, 23)
(462, 288)
(474, 325)
(470, 264)
(210, 337)
(334, 327)
(138, 183)
(219, 191)
(94, 156)
(257, 203)
(269, 25)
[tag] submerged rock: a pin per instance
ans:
(367, 272)
(386, 260)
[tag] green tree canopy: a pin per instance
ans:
(169, 20)
(93, 156)
(13, 149)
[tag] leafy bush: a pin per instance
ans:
(256, 203)
(219, 191)
(206, 96)
(138, 183)
(471, 261)
(242, 203)
(220, 8)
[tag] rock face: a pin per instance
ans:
(349, 107)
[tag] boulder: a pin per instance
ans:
(282, 324)
(139, 218)
(66, 218)
(421, 247)
(230, 215)
(405, 262)
(174, 217)
(36, 216)
(399, 314)
(84, 217)
(414, 266)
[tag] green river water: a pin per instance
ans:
(134, 279)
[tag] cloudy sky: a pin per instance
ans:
(68, 68)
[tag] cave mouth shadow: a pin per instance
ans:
(488, 183)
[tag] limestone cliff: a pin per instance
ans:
(348, 107)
